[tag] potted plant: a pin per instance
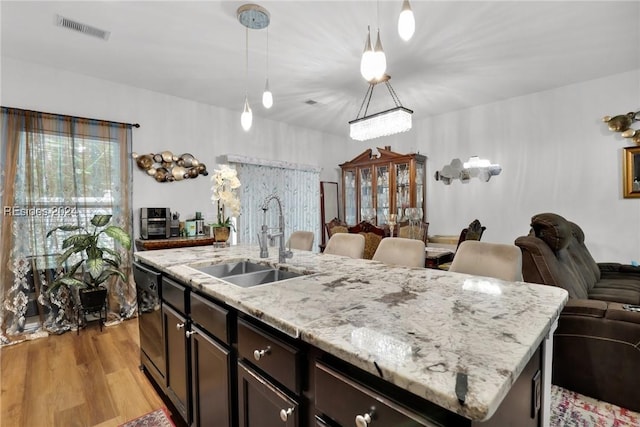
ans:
(97, 263)
(225, 196)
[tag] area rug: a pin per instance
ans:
(158, 418)
(571, 409)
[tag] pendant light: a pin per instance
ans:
(379, 60)
(406, 22)
(373, 64)
(254, 17)
(366, 63)
(247, 116)
(267, 96)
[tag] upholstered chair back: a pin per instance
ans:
(400, 251)
(346, 244)
(302, 240)
(495, 260)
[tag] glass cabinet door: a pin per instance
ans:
(350, 211)
(382, 194)
(403, 194)
(420, 172)
(367, 211)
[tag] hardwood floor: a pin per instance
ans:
(68, 380)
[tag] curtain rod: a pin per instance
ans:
(135, 125)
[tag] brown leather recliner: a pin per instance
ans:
(597, 343)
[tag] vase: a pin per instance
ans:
(221, 234)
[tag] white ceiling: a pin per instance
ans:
(462, 54)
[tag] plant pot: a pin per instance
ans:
(93, 299)
(221, 234)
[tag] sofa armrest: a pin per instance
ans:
(585, 307)
(615, 267)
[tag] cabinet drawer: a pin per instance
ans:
(175, 294)
(343, 400)
(275, 357)
(211, 317)
(262, 404)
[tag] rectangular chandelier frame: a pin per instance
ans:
(384, 123)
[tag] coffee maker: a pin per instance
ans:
(199, 224)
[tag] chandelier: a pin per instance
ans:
(384, 123)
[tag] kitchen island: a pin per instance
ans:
(457, 341)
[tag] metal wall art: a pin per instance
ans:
(474, 168)
(622, 123)
(166, 167)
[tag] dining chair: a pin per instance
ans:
(302, 240)
(345, 244)
(497, 260)
(400, 251)
(372, 236)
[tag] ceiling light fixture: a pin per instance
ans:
(406, 22)
(253, 17)
(267, 96)
(374, 62)
(388, 122)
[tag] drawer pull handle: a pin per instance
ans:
(179, 326)
(189, 333)
(284, 414)
(365, 420)
(259, 354)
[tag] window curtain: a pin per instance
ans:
(56, 170)
(298, 188)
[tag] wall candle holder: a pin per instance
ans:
(166, 167)
(622, 123)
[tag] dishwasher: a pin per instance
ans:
(148, 286)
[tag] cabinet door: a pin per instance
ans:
(383, 194)
(175, 326)
(350, 196)
(367, 210)
(210, 365)
(261, 404)
(403, 193)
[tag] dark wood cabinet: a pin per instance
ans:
(176, 350)
(262, 404)
(212, 394)
(374, 186)
(346, 402)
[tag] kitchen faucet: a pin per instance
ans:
(283, 254)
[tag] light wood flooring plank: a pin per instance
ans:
(69, 380)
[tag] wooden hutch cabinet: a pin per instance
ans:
(376, 185)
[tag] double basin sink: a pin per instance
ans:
(246, 274)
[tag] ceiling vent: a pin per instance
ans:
(61, 21)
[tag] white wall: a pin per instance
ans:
(556, 153)
(557, 156)
(167, 123)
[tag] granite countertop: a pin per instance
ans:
(421, 327)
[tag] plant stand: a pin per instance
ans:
(91, 301)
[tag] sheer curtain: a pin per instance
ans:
(56, 170)
(297, 186)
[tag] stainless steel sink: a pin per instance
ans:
(232, 269)
(261, 277)
(246, 273)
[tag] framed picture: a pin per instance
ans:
(631, 172)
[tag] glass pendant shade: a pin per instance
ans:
(267, 96)
(247, 116)
(379, 60)
(366, 63)
(406, 22)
